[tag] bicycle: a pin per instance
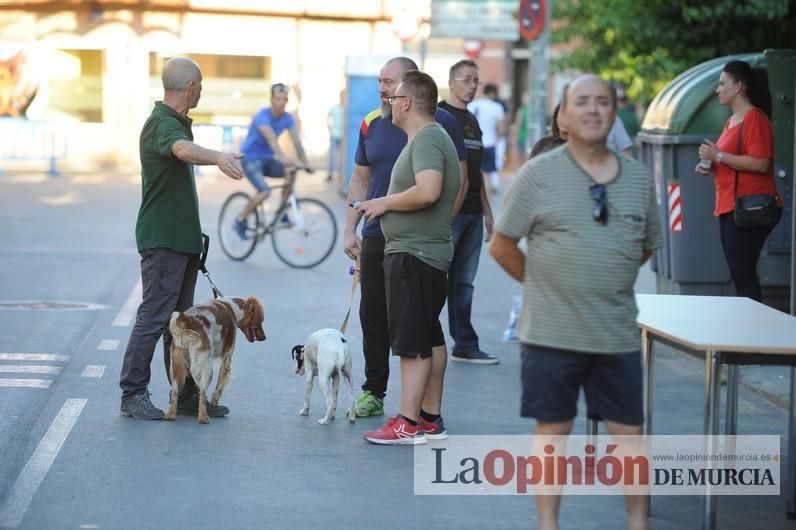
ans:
(303, 230)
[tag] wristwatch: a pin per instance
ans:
(720, 157)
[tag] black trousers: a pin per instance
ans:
(168, 279)
(742, 247)
(373, 316)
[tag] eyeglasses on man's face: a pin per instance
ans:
(600, 209)
(469, 80)
(391, 99)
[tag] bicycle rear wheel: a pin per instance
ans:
(232, 244)
(306, 236)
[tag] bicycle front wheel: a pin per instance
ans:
(233, 245)
(305, 236)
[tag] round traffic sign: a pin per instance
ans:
(532, 18)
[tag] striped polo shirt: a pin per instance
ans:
(579, 273)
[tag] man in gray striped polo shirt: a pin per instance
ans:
(590, 220)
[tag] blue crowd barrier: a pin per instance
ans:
(22, 139)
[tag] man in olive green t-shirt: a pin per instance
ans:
(168, 234)
(416, 220)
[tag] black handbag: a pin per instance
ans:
(754, 211)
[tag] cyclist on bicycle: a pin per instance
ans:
(263, 156)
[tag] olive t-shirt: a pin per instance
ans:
(424, 233)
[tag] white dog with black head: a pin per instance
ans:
(327, 354)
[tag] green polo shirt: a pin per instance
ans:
(169, 213)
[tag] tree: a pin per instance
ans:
(644, 45)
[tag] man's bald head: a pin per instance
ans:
(587, 82)
(178, 72)
(405, 64)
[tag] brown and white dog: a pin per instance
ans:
(206, 332)
(328, 356)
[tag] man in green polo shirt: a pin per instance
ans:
(590, 219)
(168, 234)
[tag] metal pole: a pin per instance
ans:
(712, 398)
(538, 75)
(790, 508)
(793, 234)
(731, 417)
(649, 382)
(791, 500)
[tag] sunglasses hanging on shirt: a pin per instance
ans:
(600, 209)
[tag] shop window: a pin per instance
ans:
(75, 83)
(234, 87)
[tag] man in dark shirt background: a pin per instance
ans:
(467, 230)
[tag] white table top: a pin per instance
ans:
(721, 323)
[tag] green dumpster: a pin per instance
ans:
(680, 117)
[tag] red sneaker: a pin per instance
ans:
(397, 431)
(434, 430)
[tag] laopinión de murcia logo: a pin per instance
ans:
(579, 465)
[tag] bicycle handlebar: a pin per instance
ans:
(293, 168)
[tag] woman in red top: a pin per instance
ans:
(745, 91)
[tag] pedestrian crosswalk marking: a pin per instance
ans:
(94, 370)
(44, 357)
(108, 344)
(29, 369)
(25, 383)
(11, 368)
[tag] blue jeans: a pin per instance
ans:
(256, 168)
(334, 152)
(467, 233)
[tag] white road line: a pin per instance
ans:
(28, 179)
(93, 370)
(127, 312)
(30, 478)
(33, 357)
(88, 179)
(108, 344)
(29, 369)
(25, 383)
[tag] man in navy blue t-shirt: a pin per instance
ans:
(262, 155)
(380, 143)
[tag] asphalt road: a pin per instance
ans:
(69, 460)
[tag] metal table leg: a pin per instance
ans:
(791, 504)
(712, 388)
(591, 429)
(647, 376)
(731, 418)
(647, 359)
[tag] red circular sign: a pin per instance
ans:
(472, 48)
(532, 18)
